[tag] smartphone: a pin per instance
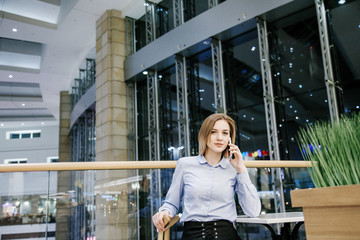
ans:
(232, 155)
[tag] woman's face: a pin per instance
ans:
(219, 137)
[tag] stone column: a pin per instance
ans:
(111, 126)
(62, 206)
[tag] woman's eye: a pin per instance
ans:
(213, 131)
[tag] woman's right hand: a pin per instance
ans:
(158, 220)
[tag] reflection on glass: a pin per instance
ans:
(142, 118)
(169, 142)
(26, 206)
(344, 35)
(201, 94)
(298, 77)
(244, 94)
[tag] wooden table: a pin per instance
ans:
(274, 218)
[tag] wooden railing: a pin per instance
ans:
(128, 165)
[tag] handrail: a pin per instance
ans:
(128, 165)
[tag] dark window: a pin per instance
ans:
(14, 136)
(36, 135)
(26, 135)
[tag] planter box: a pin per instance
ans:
(331, 212)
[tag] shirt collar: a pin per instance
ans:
(223, 163)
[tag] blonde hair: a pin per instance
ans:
(208, 125)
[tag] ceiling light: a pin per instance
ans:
(253, 48)
(23, 104)
(10, 76)
(42, 123)
(300, 86)
(22, 124)
(14, 30)
(341, 1)
(206, 42)
(2, 124)
(145, 72)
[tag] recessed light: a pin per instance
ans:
(341, 1)
(22, 124)
(14, 30)
(42, 123)
(2, 124)
(145, 72)
(10, 76)
(23, 104)
(253, 48)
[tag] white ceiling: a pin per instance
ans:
(61, 36)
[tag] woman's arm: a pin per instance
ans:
(247, 194)
(173, 198)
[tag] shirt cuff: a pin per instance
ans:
(169, 208)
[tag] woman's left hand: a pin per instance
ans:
(237, 162)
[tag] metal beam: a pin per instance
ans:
(271, 126)
(326, 57)
(153, 128)
(218, 76)
(150, 22)
(178, 12)
(130, 36)
(182, 106)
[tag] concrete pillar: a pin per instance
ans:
(111, 126)
(62, 232)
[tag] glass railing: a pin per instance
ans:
(109, 200)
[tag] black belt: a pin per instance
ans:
(213, 230)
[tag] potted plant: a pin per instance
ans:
(332, 209)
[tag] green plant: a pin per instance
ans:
(334, 151)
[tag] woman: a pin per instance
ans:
(207, 183)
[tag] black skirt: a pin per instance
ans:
(215, 230)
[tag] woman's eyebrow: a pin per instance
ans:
(224, 130)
